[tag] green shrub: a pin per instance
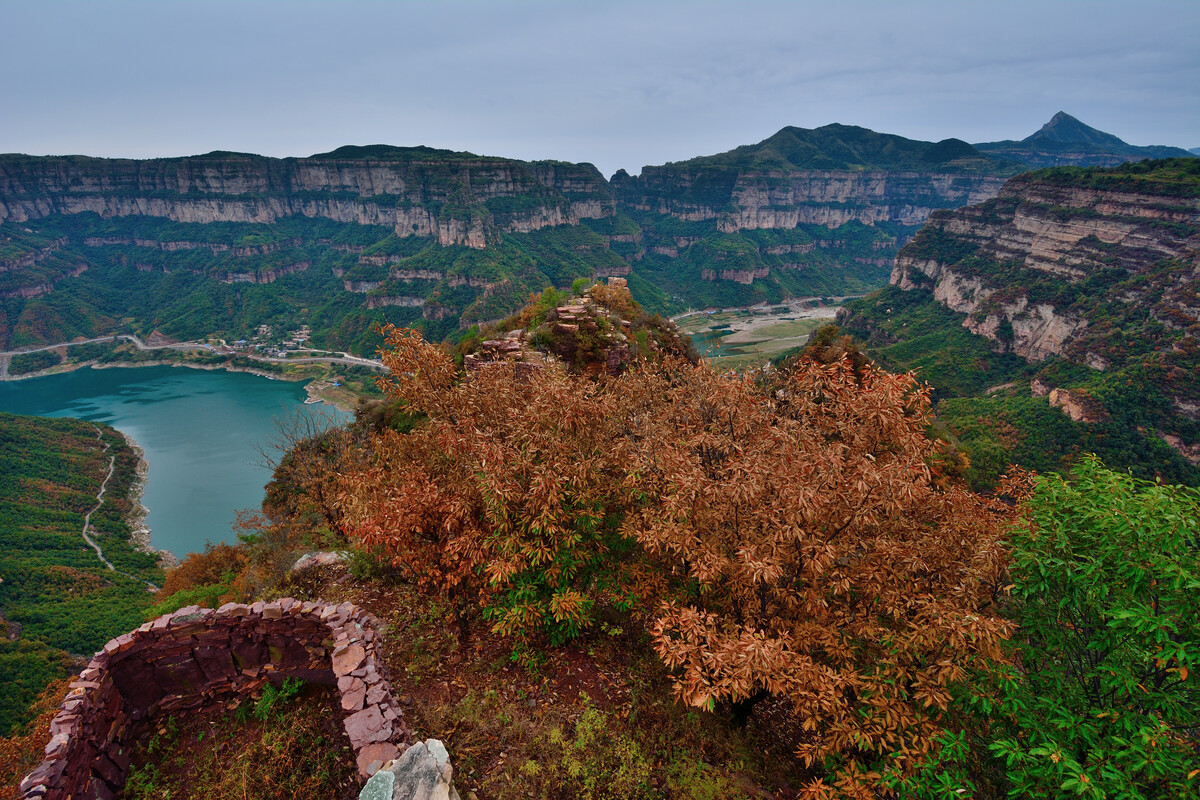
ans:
(1104, 700)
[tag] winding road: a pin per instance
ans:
(335, 357)
(87, 520)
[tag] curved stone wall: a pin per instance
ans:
(195, 657)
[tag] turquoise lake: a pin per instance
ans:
(203, 432)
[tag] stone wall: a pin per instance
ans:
(196, 657)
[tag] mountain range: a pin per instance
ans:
(222, 243)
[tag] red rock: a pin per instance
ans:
(367, 726)
(217, 662)
(352, 699)
(374, 756)
(346, 660)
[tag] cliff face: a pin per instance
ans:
(457, 198)
(1043, 262)
(825, 176)
(1099, 268)
(747, 199)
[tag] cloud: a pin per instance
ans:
(619, 84)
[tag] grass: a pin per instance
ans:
(742, 339)
(276, 745)
(596, 719)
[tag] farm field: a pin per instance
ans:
(744, 338)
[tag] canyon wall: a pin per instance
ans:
(196, 657)
(1032, 267)
(456, 197)
(747, 198)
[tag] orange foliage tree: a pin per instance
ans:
(507, 494)
(820, 560)
(788, 538)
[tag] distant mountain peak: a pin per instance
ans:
(1064, 128)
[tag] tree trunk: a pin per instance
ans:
(740, 710)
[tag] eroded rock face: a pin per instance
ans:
(1077, 405)
(971, 260)
(408, 191)
(750, 198)
(197, 656)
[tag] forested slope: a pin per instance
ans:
(1061, 317)
(57, 599)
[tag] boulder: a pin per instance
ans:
(423, 772)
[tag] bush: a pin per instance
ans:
(1104, 700)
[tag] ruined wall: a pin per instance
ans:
(195, 657)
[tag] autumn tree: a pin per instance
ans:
(818, 561)
(507, 494)
(789, 539)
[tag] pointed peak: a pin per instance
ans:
(1062, 127)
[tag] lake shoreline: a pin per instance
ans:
(200, 432)
(139, 531)
(340, 403)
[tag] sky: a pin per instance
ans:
(617, 84)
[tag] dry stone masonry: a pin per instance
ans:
(197, 657)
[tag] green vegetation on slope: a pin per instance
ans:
(1103, 699)
(190, 280)
(1178, 177)
(909, 330)
(286, 743)
(697, 266)
(849, 147)
(56, 596)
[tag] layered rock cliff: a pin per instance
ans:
(1091, 277)
(804, 212)
(1037, 268)
(459, 198)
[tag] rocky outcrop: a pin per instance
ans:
(742, 276)
(361, 287)
(196, 657)
(238, 251)
(1077, 405)
(382, 300)
(1190, 452)
(266, 275)
(458, 198)
(34, 256)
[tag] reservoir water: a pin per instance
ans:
(202, 431)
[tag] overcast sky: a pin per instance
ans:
(617, 84)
